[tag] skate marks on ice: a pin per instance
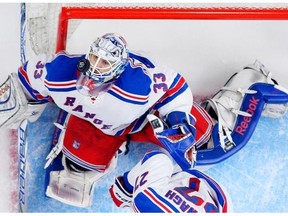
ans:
(255, 177)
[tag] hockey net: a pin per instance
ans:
(48, 25)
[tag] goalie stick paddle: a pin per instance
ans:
(22, 151)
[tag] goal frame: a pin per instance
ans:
(165, 13)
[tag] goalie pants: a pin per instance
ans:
(89, 147)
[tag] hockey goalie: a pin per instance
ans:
(108, 97)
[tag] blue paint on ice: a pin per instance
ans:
(255, 177)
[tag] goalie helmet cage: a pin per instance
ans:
(42, 18)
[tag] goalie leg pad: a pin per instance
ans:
(226, 143)
(238, 112)
(227, 102)
(75, 188)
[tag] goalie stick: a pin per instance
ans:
(22, 129)
(22, 152)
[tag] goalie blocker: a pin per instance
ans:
(15, 105)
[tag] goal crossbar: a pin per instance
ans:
(221, 13)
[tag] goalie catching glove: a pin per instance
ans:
(14, 105)
(177, 135)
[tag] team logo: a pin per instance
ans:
(76, 144)
(4, 89)
(93, 99)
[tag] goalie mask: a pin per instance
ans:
(105, 61)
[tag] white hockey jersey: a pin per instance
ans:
(141, 89)
(156, 188)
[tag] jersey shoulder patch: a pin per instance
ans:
(62, 72)
(63, 67)
(133, 85)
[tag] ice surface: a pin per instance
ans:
(255, 177)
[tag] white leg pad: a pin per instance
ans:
(75, 188)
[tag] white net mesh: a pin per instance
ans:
(42, 26)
